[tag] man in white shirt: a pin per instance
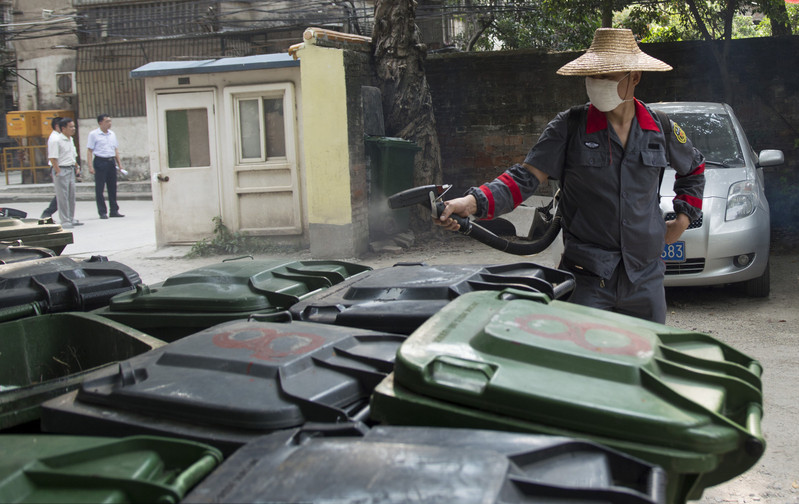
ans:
(104, 147)
(55, 123)
(62, 154)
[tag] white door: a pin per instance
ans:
(264, 159)
(189, 171)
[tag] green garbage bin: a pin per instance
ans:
(516, 361)
(391, 163)
(35, 233)
(45, 356)
(204, 297)
(63, 469)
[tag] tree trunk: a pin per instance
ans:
(407, 104)
(778, 13)
(720, 55)
(607, 14)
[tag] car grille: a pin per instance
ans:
(695, 224)
(685, 268)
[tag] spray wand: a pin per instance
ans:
(432, 196)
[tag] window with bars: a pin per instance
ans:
(145, 20)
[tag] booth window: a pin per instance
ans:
(187, 138)
(262, 130)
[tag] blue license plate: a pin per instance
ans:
(674, 252)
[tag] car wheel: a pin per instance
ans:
(760, 286)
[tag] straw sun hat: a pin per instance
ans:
(613, 50)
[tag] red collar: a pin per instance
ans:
(597, 121)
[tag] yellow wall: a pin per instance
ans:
(324, 111)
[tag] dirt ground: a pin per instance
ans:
(766, 329)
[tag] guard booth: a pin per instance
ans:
(273, 144)
(223, 142)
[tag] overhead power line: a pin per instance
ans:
(136, 21)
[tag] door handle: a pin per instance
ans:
(162, 178)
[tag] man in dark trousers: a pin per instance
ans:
(103, 158)
(609, 167)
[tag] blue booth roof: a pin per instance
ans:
(257, 62)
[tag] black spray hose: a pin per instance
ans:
(481, 234)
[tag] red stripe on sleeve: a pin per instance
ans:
(691, 200)
(490, 197)
(699, 171)
(514, 188)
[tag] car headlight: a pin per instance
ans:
(741, 200)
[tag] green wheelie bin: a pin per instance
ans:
(204, 297)
(48, 355)
(391, 162)
(517, 361)
(67, 469)
(35, 233)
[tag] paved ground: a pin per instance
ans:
(129, 238)
(766, 329)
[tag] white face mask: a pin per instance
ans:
(604, 93)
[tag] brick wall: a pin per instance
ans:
(360, 72)
(491, 107)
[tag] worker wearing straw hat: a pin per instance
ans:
(608, 156)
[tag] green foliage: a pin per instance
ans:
(674, 21)
(655, 23)
(747, 27)
(560, 25)
(793, 17)
(521, 24)
(227, 242)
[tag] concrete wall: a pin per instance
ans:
(491, 107)
(327, 181)
(333, 142)
(132, 135)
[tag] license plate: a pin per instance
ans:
(674, 252)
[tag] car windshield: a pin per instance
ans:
(714, 136)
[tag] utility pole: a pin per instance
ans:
(5, 59)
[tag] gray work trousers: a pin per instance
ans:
(64, 184)
(646, 298)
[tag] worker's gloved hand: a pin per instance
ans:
(463, 207)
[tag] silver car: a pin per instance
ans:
(730, 242)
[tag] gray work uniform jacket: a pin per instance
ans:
(609, 196)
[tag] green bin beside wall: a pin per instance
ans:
(391, 162)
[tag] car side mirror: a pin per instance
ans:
(770, 157)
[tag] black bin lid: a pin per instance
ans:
(424, 464)
(401, 298)
(251, 374)
(60, 284)
(19, 253)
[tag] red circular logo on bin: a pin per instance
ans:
(631, 343)
(269, 344)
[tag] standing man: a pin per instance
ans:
(609, 164)
(105, 148)
(51, 209)
(62, 154)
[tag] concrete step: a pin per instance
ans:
(84, 191)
